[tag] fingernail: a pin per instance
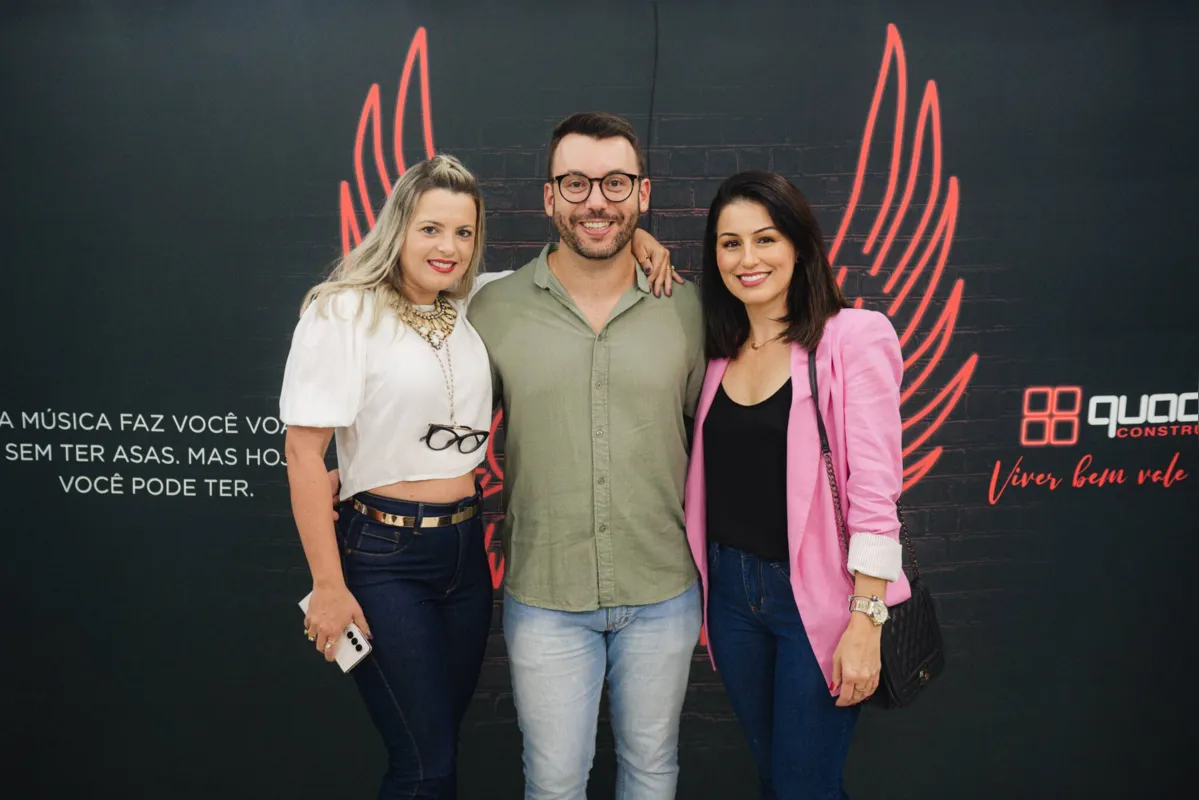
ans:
(831, 686)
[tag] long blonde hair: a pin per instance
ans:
(374, 265)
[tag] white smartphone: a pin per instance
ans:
(351, 648)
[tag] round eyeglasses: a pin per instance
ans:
(615, 186)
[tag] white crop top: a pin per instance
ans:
(380, 390)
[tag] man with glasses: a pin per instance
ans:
(596, 375)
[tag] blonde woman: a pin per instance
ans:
(384, 359)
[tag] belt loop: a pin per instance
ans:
(420, 515)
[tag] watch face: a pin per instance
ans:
(880, 613)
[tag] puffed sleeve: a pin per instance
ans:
(874, 446)
(325, 376)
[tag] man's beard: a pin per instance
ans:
(625, 226)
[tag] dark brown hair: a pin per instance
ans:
(813, 296)
(597, 125)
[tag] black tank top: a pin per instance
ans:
(745, 473)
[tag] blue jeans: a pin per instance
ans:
(559, 660)
(797, 734)
(427, 596)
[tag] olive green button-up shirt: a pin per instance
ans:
(595, 450)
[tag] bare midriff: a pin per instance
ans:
(437, 490)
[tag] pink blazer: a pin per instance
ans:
(859, 367)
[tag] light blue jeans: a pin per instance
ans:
(559, 660)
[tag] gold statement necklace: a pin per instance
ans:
(435, 325)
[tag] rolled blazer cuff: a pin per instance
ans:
(875, 555)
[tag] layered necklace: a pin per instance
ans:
(435, 325)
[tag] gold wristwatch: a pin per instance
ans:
(871, 606)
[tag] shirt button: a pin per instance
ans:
(603, 528)
(600, 481)
(600, 432)
(599, 384)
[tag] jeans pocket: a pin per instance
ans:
(369, 539)
(782, 568)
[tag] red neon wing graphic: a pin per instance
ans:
(871, 239)
(368, 120)
(419, 47)
(372, 161)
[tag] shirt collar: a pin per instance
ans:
(543, 276)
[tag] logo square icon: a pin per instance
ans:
(1050, 416)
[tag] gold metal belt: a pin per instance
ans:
(397, 521)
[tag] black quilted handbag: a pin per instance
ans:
(912, 650)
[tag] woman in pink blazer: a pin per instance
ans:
(794, 659)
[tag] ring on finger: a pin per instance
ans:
(329, 643)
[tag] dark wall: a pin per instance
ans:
(173, 185)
